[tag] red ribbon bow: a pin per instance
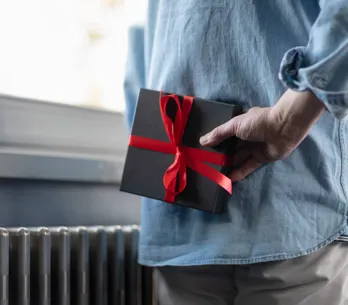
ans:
(175, 177)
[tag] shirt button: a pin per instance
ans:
(319, 81)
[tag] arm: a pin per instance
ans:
(135, 70)
(322, 66)
(317, 78)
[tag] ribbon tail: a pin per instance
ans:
(169, 181)
(211, 173)
(169, 197)
(175, 179)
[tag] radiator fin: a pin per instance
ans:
(68, 266)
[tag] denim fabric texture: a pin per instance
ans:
(244, 52)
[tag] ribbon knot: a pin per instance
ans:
(179, 151)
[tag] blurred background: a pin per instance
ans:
(62, 130)
(66, 51)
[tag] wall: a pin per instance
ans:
(62, 165)
(53, 203)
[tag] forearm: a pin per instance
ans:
(296, 112)
(322, 66)
(305, 104)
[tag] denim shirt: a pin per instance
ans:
(248, 52)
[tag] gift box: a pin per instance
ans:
(165, 160)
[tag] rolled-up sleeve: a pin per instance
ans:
(135, 70)
(322, 65)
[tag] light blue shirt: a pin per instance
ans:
(234, 51)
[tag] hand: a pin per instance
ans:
(270, 133)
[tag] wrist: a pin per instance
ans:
(298, 109)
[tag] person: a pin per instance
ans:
(286, 63)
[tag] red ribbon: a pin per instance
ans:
(175, 177)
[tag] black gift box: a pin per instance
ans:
(144, 169)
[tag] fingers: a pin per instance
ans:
(219, 134)
(241, 156)
(240, 144)
(245, 169)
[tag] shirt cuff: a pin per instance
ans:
(296, 75)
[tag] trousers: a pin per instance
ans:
(320, 278)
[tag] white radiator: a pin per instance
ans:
(73, 266)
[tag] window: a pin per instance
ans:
(66, 51)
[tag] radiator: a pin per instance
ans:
(77, 266)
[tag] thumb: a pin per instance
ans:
(219, 134)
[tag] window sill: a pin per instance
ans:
(49, 141)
